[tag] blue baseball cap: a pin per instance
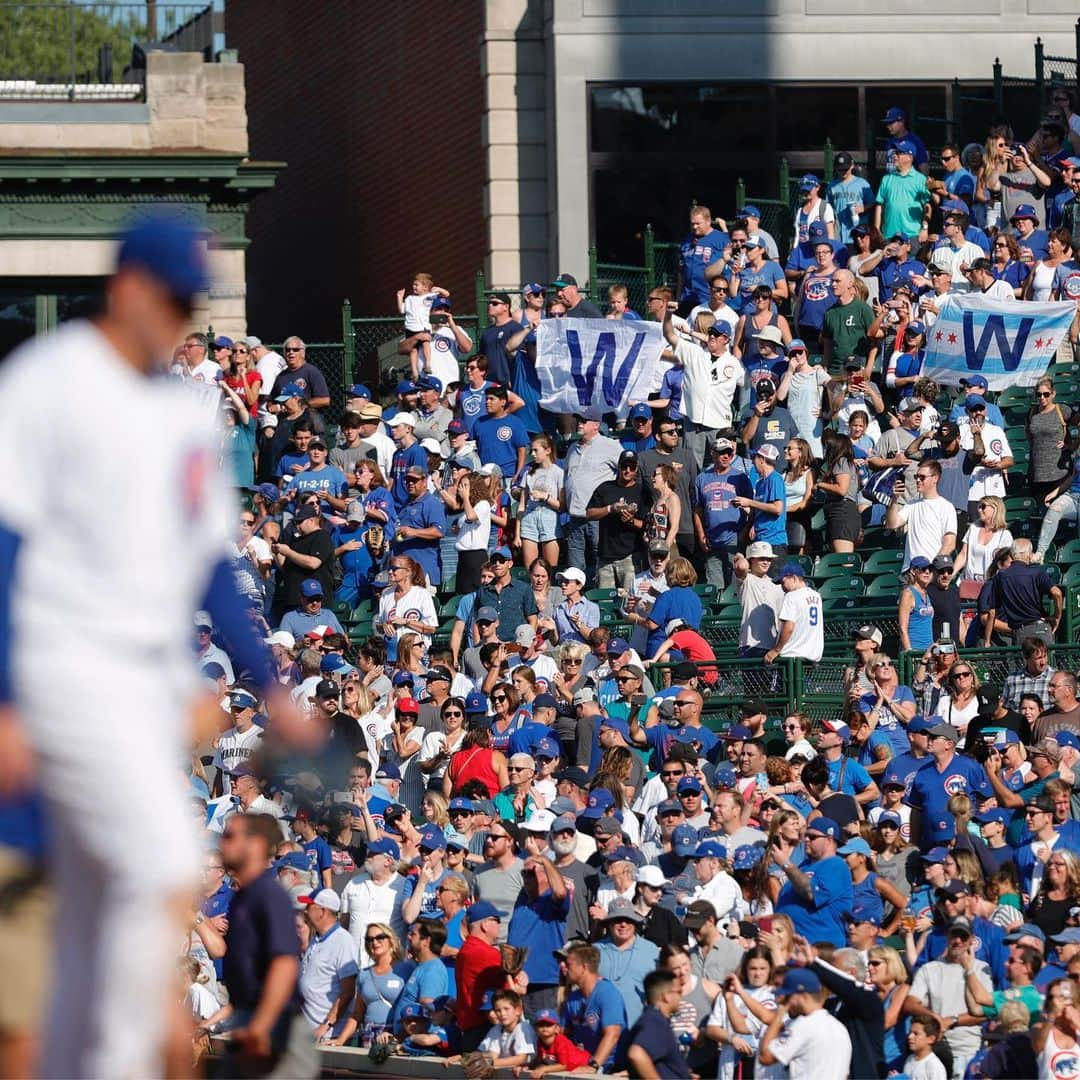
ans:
(1067, 739)
(503, 553)
(482, 909)
(599, 801)
(861, 911)
(855, 846)
(894, 114)
(935, 855)
(796, 343)
(975, 380)
(893, 779)
(640, 411)
(433, 839)
(957, 205)
(169, 249)
(546, 1016)
(751, 211)
(916, 327)
(791, 569)
(1024, 930)
(402, 678)
(242, 699)
(406, 386)
(545, 701)
(684, 840)
(725, 777)
(546, 747)
(974, 401)
(919, 723)
(387, 771)
(809, 181)
(290, 390)
(721, 326)
(476, 703)
(998, 814)
(213, 670)
(736, 733)
(293, 860)
(335, 664)
(532, 288)
(669, 806)
(429, 382)
(817, 231)
(1069, 936)
(486, 614)
(689, 785)
(905, 146)
(709, 849)
(798, 981)
(440, 303)
(270, 492)
(825, 826)
(415, 1010)
(459, 803)
(358, 390)
(311, 587)
(385, 846)
(747, 857)
(919, 562)
(223, 342)
(617, 724)
(1007, 738)
(889, 817)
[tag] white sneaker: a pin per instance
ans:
(1037, 557)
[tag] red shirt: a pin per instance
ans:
(695, 648)
(478, 968)
(561, 1052)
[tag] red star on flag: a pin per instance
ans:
(1038, 343)
(938, 336)
(1049, 342)
(952, 339)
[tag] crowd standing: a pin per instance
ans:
(521, 844)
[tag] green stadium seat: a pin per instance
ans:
(709, 594)
(1072, 575)
(600, 595)
(1067, 555)
(730, 595)
(1015, 397)
(842, 586)
(884, 587)
(885, 562)
(341, 609)
(837, 563)
(449, 607)
(730, 613)
(1020, 507)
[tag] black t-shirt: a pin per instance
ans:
(1017, 593)
(946, 609)
(307, 376)
(261, 927)
(654, 1034)
(1011, 721)
(318, 544)
(617, 538)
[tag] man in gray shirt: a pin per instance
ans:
(432, 417)
(500, 880)
(668, 452)
(589, 463)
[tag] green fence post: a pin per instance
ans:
(785, 182)
(1077, 49)
(650, 257)
(1039, 51)
(348, 342)
(740, 194)
(481, 302)
(999, 82)
(593, 276)
(794, 683)
(827, 155)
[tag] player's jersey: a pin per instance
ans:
(236, 748)
(123, 513)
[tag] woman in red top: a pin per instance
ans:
(242, 376)
(691, 644)
(476, 761)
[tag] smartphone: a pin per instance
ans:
(765, 924)
(761, 781)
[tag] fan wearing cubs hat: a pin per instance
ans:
(818, 905)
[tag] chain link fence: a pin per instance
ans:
(329, 358)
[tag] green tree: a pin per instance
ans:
(59, 42)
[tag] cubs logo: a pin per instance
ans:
(470, 405)
(413, 614)
(1065, 1065)
(817, 290)
(728, 371)
(504, 434)
(592, 1021)
(997, 448)
(441, 344)
(1070, 287)
(955, 785)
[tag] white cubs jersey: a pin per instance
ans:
(122, 510)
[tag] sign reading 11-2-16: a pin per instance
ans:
(597, 366)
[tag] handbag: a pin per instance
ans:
(970, 589)
(879, 488)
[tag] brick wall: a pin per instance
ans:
(377, 111)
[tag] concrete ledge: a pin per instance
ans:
(45, 112)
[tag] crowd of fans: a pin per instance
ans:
(522, 845)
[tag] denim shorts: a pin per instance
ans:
(540, 524)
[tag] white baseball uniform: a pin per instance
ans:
(122, 514)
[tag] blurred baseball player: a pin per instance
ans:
(107, 447)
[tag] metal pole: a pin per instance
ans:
(650, 258)
(348, 342)
(1039, 50)
(481, 302)
(785, 182)
(1077, 51)
(999, 82)
(594, 276)
(827, 155)
(71, 50)
(740, 194)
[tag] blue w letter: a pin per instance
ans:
(994, 330)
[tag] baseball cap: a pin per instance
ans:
(953, 889)
(709, 849)
(855, 846)
(290, 390)
(798, 981)
(736, 733)
(842, 160)
(503, 553)
(725, 777)
(894, 114)
(482, 909)
(935, 855)
(754, 242)
(407, 705)
(920, 724)
(293, 860)
(974, 401)
(720, 445)
(641, 411)
(406, 418)
(760, 549)
(796, 344)
(607, 826)
(946, 731)
(722, 326)
(919, 562)
(599, 801)
(751, 211)
(747, 856)
(817, 231)
(387, 771)
(384, 846)
(868, 632)
(684, 840)
(905, 146)
(434, 839)
(942, 830)
(358, 390)
(792, 569)
(476, 703)
(1069, 936)
(651, 875)
(1024, 210)
(1048, 748)
(628, 457)
(576, 776)
(942, 562)
(837, 727)
(999, 815)
(305, 513)
(960, 925)
(564, 279)
(698, 914)
(809, 181)
(311, 587)
(439, 674)
(325, 898)
(889, 817)
(571, 573)
(1067, 740)
(616, 646)
(169, 249)
(825, 827)
(689, 785)
(909, 404)
(546, 1016)
(767, 451)
(441, 303)
(1024, 930)
(621, 908)
(222, 342)
(327, 689)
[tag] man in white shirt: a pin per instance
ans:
(982, 280)
(711, 377)
(802, 1035)
(714, 884)
(958, 253)
(761, 599)
(240, 743)
(328, 968)
(990, 444)
(929, 518)
(196, 364)
(268, 364)
(802, 621)
(375, 895)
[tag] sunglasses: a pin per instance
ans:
(376, 937)
(453, 712)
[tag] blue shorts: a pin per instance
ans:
(540, 524)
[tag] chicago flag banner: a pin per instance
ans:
(1009, 344)
(596, 366)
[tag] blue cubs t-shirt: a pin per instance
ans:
(498, 440)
